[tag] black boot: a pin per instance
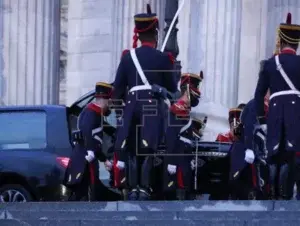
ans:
(181, 194)
(144, 194)
(133, 195)
(124, 192)
(272, 193)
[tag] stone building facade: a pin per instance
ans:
(225, 39)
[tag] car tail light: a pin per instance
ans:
(63, 161)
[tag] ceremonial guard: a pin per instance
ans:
(280, 74)
(259, 169)
(143, 116)
(239, 159)
(180, 136)
(83, 169)
(233, 123)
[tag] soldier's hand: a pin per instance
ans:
(108, 165)
(193, 164)
(90, 156)
(120, 165)
(172, 169)
(160, 91)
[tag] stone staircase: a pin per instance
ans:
(186, 213)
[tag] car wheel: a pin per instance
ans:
(14, 193)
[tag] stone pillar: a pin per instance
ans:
(31, 34)
(2, 82)
(212, 34)
(253, 45)
(89, 46)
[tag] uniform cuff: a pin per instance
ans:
(262, 120)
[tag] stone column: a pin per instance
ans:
(213, 46)
(31, 34)
(2, 82)
(89, 57)
(253, 45)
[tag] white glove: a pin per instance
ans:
(264, 128)
(120, 165)
(90, 156)
(172, 169)
(249, 156)
(193, 164)
(108, 165)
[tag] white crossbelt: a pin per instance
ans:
(185, 140)
(184, 128)
(293, 90)
(142, 75)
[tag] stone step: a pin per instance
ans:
(202, 205)
(269, 222)
(158, 215)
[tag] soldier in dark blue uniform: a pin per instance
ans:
(280, 74)
(83, 169)
(143, 116)
(180, 134)
(242, 171)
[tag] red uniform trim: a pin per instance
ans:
(180, 108)
(96, 109)
(266, 109)
(288, 51)
(116, 171)
(298, 154)
(125, 51)
(92, 173)
(171, 57)
(254, 178)
(225, 137)
(179, 174)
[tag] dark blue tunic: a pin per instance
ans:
(283, 117)
(142, 109)
(90, 123)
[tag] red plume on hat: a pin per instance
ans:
(201, 75)
(149, 11)
(289, 18)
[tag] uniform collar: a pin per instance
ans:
(288, 51)
(150, 44)
(97, 109)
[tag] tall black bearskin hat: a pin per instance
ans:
(103, 90)
(234, 113)
(144, 22)
(193, 80)
(288, 33)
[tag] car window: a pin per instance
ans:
(23, 130)
(85, 102)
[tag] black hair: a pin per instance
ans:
(283, 43)
(148, 36)
(241, 106)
